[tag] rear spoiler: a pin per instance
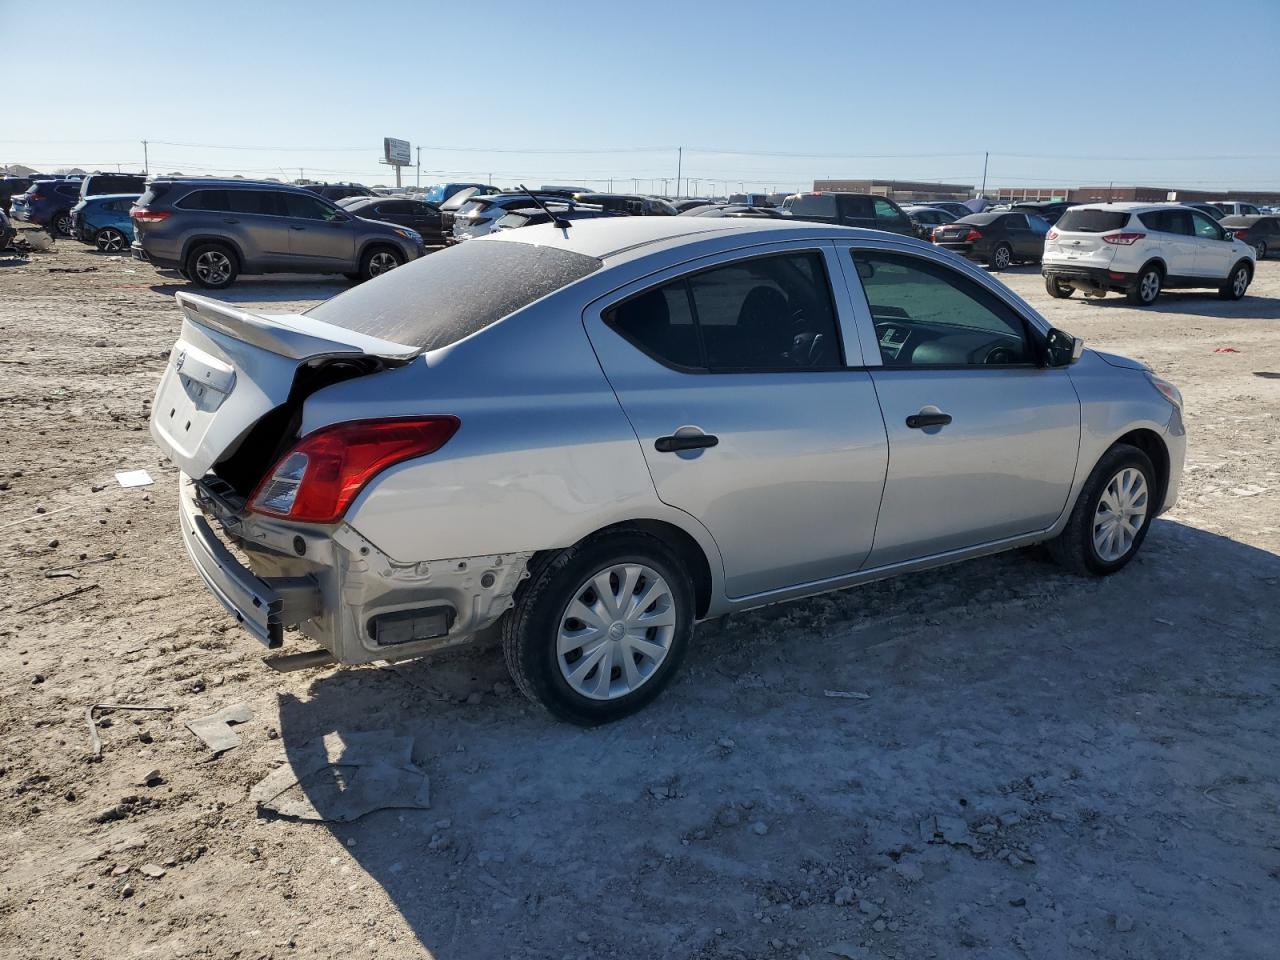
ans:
(289, 335)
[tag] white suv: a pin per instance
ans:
(1139, 249)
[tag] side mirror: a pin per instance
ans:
(1063, 348)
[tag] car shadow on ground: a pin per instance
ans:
(1193, 302)
(275, 289)
(1121, 700)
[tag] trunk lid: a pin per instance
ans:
(230, 368)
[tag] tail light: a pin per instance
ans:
(972, 235)
(33, 197)
(1123, 239)
(1239, 232)
(1052, 234)
(933, 234)
(317, 480)
(143, 215)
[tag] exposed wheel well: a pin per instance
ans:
(695, 560)
(1156, 262)
(1246, 263)
(1149, 442)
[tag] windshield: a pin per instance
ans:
(454, 293)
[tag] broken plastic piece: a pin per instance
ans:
(215, 729)
(134, 478)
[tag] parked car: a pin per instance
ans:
(449, 209)
(688, 204)
(213, 230)
(338, 191)
(926, 218)
(750, 199)
(415, 214)
(477, 216)
(1140, 249)
(1208, 208)
(520, 434)
(101, 184)
(104, 221)
(851, 210)
(634, 205)
(532, 215)
(733, 210)
(441, 192)
(7, 231)
(1235, 208)
(1047, 210)
(1261, 232)
(11, 187)
(998, 239)
(48, 203)
(953, 207)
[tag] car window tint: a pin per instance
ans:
(818, 205)
(659, 322)
(886, 210)
(1015, 221)
(1038, 224)
(927, 314)
(1092, 221)
(252, 201)
(1204, 227)
(205, 200)
(305, 207)
(857, 208)
(768, 313)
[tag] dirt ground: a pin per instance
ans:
(1043, 766)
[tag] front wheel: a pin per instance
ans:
(1001, 257)
(1237, 283)
(110, 240)
(1058, 289)
(599, 629)
(1112, 515)
(1147, 289)
(378, 261)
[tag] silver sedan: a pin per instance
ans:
(587, 438)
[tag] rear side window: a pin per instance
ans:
(112, 183)
(199, 200)
(766, 314)
(253, 201)
(1015, 221)
(68, 189)
(449, 295)
(1168, 221)
(814, 206)
(1092, 221)
(857, 208)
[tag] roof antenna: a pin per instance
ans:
(556, 219)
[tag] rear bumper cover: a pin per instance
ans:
(1091, 276)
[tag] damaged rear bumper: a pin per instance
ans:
(335, 586)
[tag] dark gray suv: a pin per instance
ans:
(211, 231)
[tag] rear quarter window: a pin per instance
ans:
(1092, 221)
(454, 293)
(821, 206)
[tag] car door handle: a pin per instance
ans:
(918, 421)
(230, 220)
(297, 228)
(694, 441)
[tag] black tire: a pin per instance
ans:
(60, 224)
(1237, 284)
(1260, 249)
(111, 240)
(353, 277)
(1001, 257)
(374, 261)
(1074, 548)
(530, 630)
(1146, 288)
(1058, 289)
(213, 266)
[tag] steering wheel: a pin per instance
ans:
(1000, 355)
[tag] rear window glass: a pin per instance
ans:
(822, 206)
(1092, 221)
(454, 293)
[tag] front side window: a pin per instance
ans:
(886, 210)
(857, 209)
(305, 207)
(1205, 228)
(772, 313)
(928, 315)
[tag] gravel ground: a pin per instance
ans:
(1043, 766)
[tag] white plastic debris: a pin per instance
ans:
(134, 478)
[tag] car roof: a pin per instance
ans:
(1245, 219)
(113, 196)
(1129, 206)
(615, 236)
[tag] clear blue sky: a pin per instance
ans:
(771, 94)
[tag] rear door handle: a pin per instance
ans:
(229, 220)
(919, 420)
(297, 228)
(695, 441)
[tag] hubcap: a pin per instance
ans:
(1241, 283)
(64, 226)
(381, 263)
(1002, 257)
(111, 241)
(213, 267)
(1150, 285)
(616, 631)
(1260, 251)
(1120, 514)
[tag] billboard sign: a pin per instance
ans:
(395, 152)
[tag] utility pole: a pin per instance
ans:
(418, 179)
(146, 164)
(983, 192)
(679, 166)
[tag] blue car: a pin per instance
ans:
(48, 203)
(104, 221)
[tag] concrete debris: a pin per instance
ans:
(342, 777)
(152, 870)
(950, 830)
(215, 729)
(1124, 923)
(909, 871)
(843, 897)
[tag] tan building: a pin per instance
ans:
(902, 191)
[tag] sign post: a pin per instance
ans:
(396, 153)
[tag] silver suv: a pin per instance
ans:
(211, 231)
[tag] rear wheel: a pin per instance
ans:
(1001, 257)
(1260, 249)
(62, 223)
(1110, 519)
(378, 261)
(110, 240)
(1057, 288)
(1237, 282)
(1147, 288)
(599, 629)
(212, 266)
